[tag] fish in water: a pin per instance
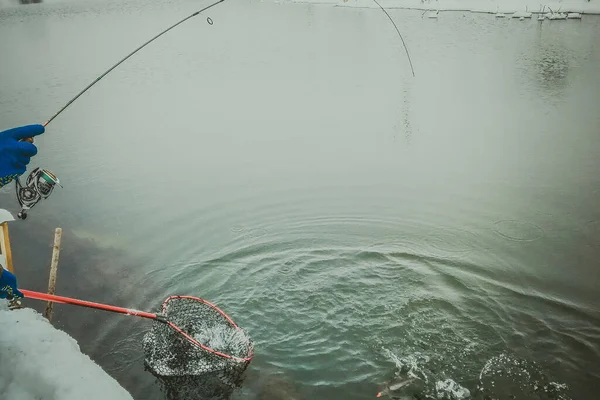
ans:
(269, 384)
(404, 388)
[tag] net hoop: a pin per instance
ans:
(197, 343)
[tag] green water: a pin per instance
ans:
(284, 164)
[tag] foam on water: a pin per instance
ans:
(449, 389)
(414, 365)
(508, 377)
(164, 356)
(223, 339)
(502, 377)
(409, 365)
(169, 354)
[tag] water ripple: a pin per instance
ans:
(453, 241)
(517, 230)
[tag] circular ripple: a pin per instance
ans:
(287, 266)
(257, 232)
(399, 247)
(521, 231)
(508, 377)
(238, 228)
(452, 241)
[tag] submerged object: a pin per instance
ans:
(434, 14)
(402, 387)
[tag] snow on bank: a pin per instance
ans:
(481, 6)
(42, 363)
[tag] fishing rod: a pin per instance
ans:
(129, 55)
(41, 182)
(399, 34)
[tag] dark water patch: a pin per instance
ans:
(593, 233)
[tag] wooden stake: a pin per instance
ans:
(53, 270)
(5, 246)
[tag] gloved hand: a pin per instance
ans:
(8, 285)
(15, 155)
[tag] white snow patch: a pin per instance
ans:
(5, 216)
(522, 14)
(39, 362)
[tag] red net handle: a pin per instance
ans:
(67, 300)
(128, 311)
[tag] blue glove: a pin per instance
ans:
(15, 155)
(8, 285)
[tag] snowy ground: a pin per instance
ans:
(485, 6)
(42, 363)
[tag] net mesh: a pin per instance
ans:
(187, 370)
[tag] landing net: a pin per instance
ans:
(199, 349)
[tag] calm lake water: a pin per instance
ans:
(284, 164)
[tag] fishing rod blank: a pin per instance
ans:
(129, 55)
(399, 34)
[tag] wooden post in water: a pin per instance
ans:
(5, 244)
(5, 252)
(53, 270)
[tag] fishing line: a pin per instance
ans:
(399, 34)
(129, 55)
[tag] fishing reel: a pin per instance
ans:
(38, 186)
